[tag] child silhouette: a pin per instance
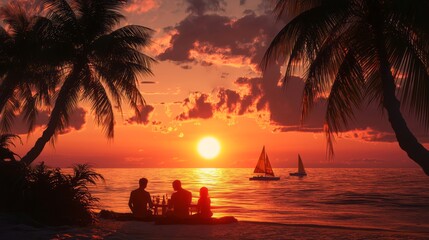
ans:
(203, 205)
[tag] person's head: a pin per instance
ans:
(204, 192)
(143, 183)
(177, 185)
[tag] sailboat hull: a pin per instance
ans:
(297, 174)
(264, 178)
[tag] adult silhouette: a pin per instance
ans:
(140, 199)
(180, 200)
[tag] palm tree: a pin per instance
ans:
(356, 51)
(28, 75)
(101, 63)
(6, 140)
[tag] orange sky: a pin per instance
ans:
(207, 82)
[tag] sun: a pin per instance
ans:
(208, 147)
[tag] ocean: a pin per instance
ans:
(352, 204)
(379, 199)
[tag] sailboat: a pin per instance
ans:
(263, 169)
(301, 171)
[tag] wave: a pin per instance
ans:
(309, 225)
(376, 199)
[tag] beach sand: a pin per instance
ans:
(109, 229)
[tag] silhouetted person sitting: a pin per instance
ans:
(203, 206)
(140, 199)
(180, 200)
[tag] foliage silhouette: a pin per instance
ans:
(355, 52)
(28, 68)
(101, 63)
(47, 195)
(6, 140)
(73, 53)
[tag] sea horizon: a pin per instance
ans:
(292, 168)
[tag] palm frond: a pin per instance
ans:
(98, 17)
(346, 94)
(8, 115)
(95, 92)
(6, 140)
(29, 107)
(66, 102)
(301, 39)
(323, 69)
(130, 36)
(7, 88)
(60, 12)
(83, 174)
(16, 17)
(409, 57)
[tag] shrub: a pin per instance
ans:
(50, 196)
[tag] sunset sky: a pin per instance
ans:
(207, 82)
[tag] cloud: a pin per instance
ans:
(211, 39)
(200, 7)
(228, 100)
(77, 121)
(140, 6)
(145, 112)
(283, 105)
(214, 39)
(198, 107)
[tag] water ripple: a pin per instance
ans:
(362, 198)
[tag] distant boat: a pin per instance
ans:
(263, 169)
(301, 171)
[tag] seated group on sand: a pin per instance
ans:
(141, 203)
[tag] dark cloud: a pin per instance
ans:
(284, 107)
(198, 107)
(20, 126)
(200, 7)
(77, 121)
(245, 38)
(228, 100)
(145, 112)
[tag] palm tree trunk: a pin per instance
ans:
(70, 84)
(406, 139)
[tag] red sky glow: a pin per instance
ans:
(207, 82)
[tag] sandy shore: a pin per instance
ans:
(109, 229)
